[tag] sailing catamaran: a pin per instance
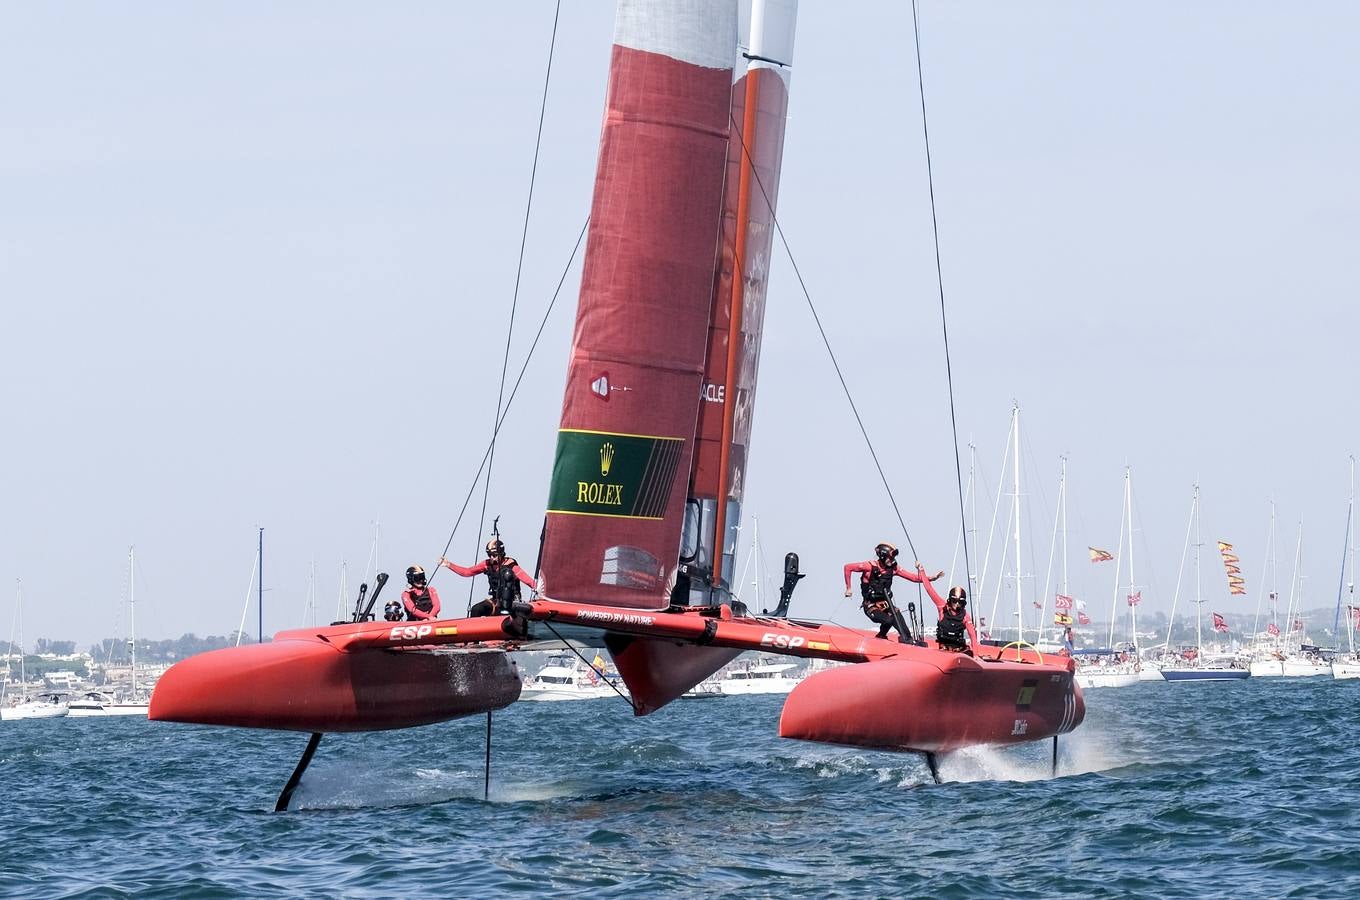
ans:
(646, 490)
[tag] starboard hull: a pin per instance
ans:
(932, 701)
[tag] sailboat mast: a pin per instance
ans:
(1295, 586)
(132, 614)
(260, 586)
(1350, 585)
(1199, 600)
(1015, 480)
(1062, 507)
(1341, 588)
(1133, 604)
(23, 671)
(972, 480)
(1119, 561)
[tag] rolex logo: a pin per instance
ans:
(606, 458)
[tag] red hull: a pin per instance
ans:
(305, 684)
(933, 701)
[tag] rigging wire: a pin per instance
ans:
(939, 277)
(519, 271)
(572, 647)
(826, 342)
(472, 489)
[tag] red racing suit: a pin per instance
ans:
(421, 603)
(481, 569)
(939, 607)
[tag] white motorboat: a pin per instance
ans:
(45, 706)
(1116, 675)
(568, 678)
(760, 678)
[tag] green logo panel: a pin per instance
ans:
(601, 474)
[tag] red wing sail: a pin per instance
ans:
(624, 451)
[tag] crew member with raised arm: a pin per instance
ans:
(503, 574)
(419, 600)
(954, 619)
(875, 586)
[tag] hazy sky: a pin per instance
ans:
(256, 263)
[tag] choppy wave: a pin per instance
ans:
(1184, 790)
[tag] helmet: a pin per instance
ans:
(415, 575)
(959, 594)
(494, 547)
(887, 554)
(392, 612)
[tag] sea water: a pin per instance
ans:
(1244, 789)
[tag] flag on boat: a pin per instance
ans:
(1298, 625)
(1220, 623)
(1100, 555)
(1273, 629)
(1236, 583)
(1062, 601)
(1083, 619)
(1062, 619)
(1135, 598)
(1038, 605)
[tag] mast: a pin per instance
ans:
(1351, 612)
(1062, 507)
(1119, 561)
(1266, 571)
(1015, 481)
(132, 615)
(972, 479)
(1133, 605)
(1340, 588)
(1295, 587)
(260, 586)
(1199, 600)
(23, 670)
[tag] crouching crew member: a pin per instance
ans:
(420, 601)
(503, 574)
(955, 629)
(875, 586)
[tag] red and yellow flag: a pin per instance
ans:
(1098, 555)
(1236, 583)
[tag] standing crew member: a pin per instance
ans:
(875, 586)
(503, 574)
(419, 600)
(954, 622)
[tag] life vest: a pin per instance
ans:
(420, 599)
(504, 584)
(876, 587)
(951, 632)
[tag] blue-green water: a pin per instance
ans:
(1186, 790)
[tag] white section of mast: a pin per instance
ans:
(1199, 600)
(1295, 587)
(972, 468)
(241, 629)
(1052, 550)
(1019, 602)
(344, 588)
(1133, 605)
(1119, 561)
(1265, 570)
(772, 29)
(991, 531)
(132, 615)
(1350, 583)
(1180, 572)
(699, 32)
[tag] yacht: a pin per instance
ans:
(568, 678)
(97, 704)
(760, 678)
(44, 706)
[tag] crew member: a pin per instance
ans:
(875, 586)
(503, 574)
(419, 600)
(954, 621)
